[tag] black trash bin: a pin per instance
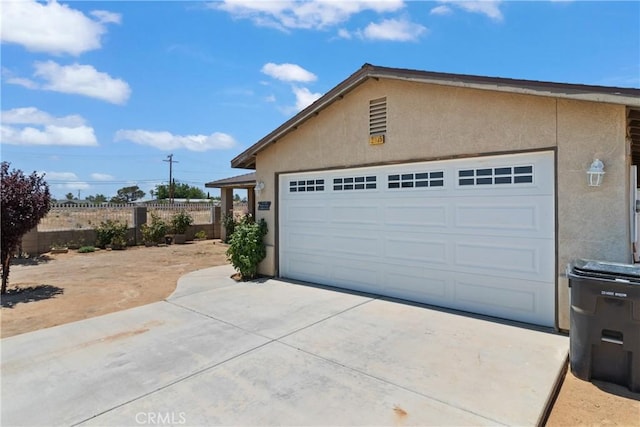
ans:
(604, 340)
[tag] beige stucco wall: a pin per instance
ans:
(593, 222)
(429, 122)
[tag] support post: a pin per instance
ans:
(226, 194)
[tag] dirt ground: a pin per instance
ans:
(73, 286)
(62, 288)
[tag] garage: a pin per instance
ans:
(460, 191)
(474, 234)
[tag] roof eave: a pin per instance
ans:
(247, 159)
(566, 91)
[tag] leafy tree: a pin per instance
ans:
(180, 191)
(128, 194)
(98, 198)
(69, 196)
(25, 201)
(236, 197)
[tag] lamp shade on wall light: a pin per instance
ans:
(259, 187)
(595, 174)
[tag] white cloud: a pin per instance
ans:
(30, 126)
(49, 135)
(81, 80)
(393, 30)
(32, 115)
(167, 141)
(304, 97)
(490, 8)
(74, 79)
(20, 81)
(288, 72)
(61, 176)
(9, 77)
(441, 10)
(313, 14)
(344, 34)
(51, 27)
(64, 181)
(106, 17)
(102, 177)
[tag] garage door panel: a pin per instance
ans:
(498, 297)
(429, 215)
(362, 214)
(483, 294)
(410, 248)
(355, 275)
(307, 267)
(354, 245)
(510, 257)
(521, 216)
(416, 284)
(498, 215)
(311, 213)
(483, 242)
(306, 241)
(494, 257)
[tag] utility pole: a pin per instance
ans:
(171, 185)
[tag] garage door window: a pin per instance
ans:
(416, 180)
(354, 183)
(306, 185)
(496, 176)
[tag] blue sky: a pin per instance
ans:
(98, 94)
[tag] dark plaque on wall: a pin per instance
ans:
(264, 206)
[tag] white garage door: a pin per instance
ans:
(471, 234)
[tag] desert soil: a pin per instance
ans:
(62, 288)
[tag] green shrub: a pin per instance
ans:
(154, 232)
(86, 249)
(180, 221)
(229, 223)
(119, 242)
(112, 233)
(246, 246)
(200, 235)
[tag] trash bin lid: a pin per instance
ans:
(604, 269)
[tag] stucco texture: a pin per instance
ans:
(429, 122)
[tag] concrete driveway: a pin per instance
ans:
(219, 352)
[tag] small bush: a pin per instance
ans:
(86, 249)
(200, 235)
(246, 247)
(180, 221)
(229, 223)
(119, 242)
(111, 232)
(154, 232)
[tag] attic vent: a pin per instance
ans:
(378, 116)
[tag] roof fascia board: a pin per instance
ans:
(547, 89)
(290, 125)
(621, 99)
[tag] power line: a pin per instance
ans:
(77, 181)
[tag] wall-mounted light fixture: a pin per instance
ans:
(259, 187)
(595, 174)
